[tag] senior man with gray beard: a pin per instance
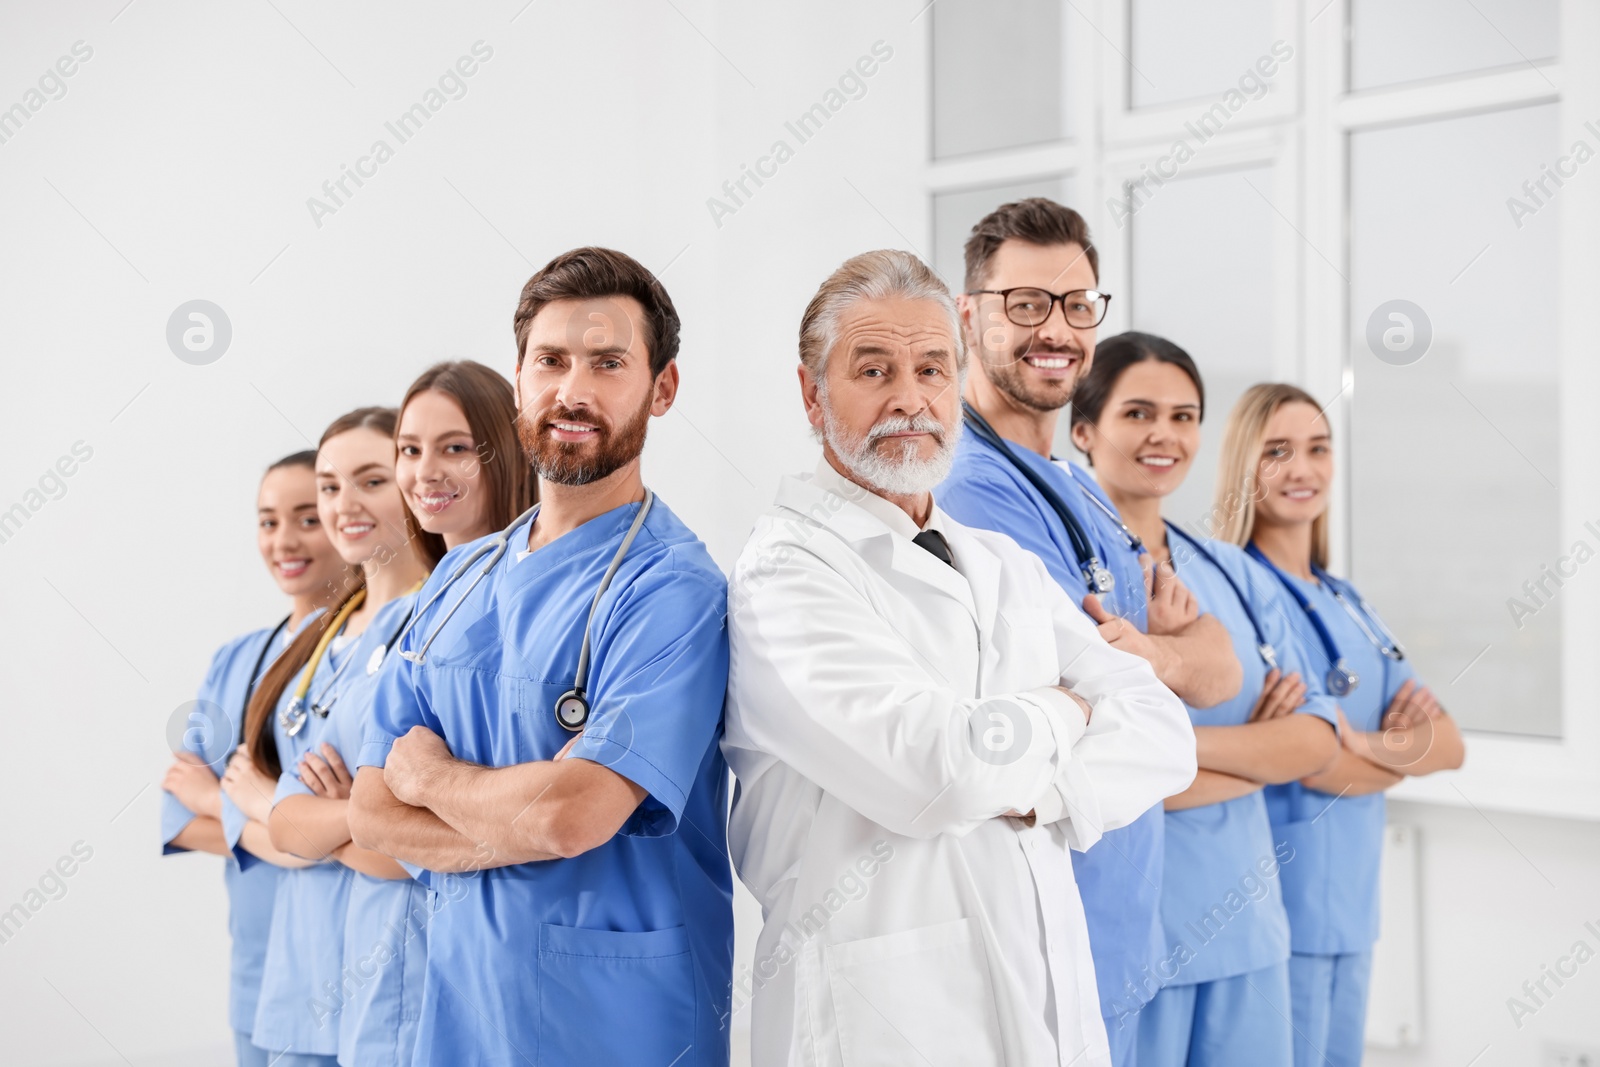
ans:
(918, 713)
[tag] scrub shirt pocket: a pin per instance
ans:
(919, 996)
(608, 996)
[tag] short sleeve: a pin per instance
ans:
(656, 692)
(289, 785)
(233, 823)
(174, 816)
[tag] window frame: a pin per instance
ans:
(1303, 132)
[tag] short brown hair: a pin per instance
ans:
(590, 273)
(1036, 220)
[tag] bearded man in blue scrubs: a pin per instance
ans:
(592, 923)
(1030, 312)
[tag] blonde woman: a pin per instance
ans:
(1276, 471)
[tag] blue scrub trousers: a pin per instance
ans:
(1122, 1033)
(1241, 1021)
(247, 1054)
(1330, 1008)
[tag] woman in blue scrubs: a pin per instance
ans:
(306, 715)
(1272, 498)
(460, 472)
(305, 567)
(1224, 974)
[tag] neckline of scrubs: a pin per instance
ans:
(607, 526)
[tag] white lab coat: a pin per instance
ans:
(907, 921)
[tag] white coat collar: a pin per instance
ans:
(881, 533)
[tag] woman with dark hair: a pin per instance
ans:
(1225, 987)
(460, 466)
(1272, 498)
(462, 476)
(307, 570)
(305, 718)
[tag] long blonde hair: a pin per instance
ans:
(1233, 513)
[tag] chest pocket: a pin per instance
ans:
(486, 715)
(1024, 648)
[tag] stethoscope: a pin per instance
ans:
(1268, 654)
(1341, 680)
(294, 717)
(572, 707)
(255, 671)
(1095, 573)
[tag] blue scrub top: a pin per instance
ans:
(1120, 877)
(303, 989)
(250, 891)
(625, 953)
(1331, 885)
(1223, 908)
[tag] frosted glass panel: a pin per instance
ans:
(998, 75)
(1454, 449)
(1203, 278)
(1181, 50)
(955, 213)
(1392, 42)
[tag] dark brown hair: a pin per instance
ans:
(590, 273)
(1115, 355)
(258, 735)
(1035, 220)
(508, 479)
(306, 458)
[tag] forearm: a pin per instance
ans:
(1211, 787)
(508, 809)
(379, 822)
(1198, 663)
(369, 862)
(1414, 751)
(202, 834)
(309, 826)
(1271, 751)
(255, 840)
(1350, 775)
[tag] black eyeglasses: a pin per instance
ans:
(1028, 306)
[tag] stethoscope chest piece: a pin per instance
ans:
(1342, 681)
(293, 719)
(572, 710)
(1102, 578)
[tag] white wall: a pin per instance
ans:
(178, 165)
(1503, 896)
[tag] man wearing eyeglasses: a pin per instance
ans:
(1029, 314)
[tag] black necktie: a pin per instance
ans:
(934, 542)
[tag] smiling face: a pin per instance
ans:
(888, 405)
(1035, 367)
(585, 393)
(357, 498)
(438, 468)
(1148, 431)
(290, 535)
(1295, 467)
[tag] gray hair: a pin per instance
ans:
(881, 275)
